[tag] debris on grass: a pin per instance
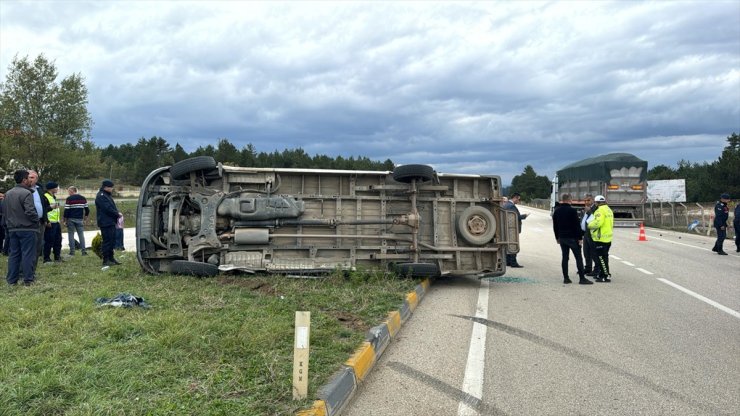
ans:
(125, 300)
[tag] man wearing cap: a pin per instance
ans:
(53, 231)
(107, 215)
(601, 227)
(721, 215)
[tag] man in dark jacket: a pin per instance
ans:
(721, 215)
(107, 215)
(22, 221)
(569, 235)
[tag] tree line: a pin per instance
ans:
(45, 125)
(131, 163)
(704, 181)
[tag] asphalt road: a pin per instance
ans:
(662, 339)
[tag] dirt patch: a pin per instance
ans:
(259, 285)
(349, 320)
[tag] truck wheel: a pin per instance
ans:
(415, 269)
(407, 173)
(476, 225)
(183, 168)
(193, 268)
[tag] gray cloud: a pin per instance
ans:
(467, 87)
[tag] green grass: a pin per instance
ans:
(217, 346)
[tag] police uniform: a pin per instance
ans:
(601, 228)
(721, 215)
(53, 230)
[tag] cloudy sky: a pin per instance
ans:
(466, 87)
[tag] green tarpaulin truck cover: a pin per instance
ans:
(598, 168)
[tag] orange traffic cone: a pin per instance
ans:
(642, 233)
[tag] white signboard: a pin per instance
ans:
(671, 190)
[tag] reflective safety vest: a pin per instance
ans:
(53, 214)
(602, 226)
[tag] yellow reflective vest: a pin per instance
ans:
(53, 215)
(602, 226)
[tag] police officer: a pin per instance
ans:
(721, 215)
(107, 215)
(601, 227)
(53, 232)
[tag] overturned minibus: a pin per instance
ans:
(200, 217)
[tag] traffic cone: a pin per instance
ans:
(642, 233)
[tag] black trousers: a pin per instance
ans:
(566, 246)
(109, 241)
(602, 258)
(589, 253)
(53, 241)
(737, 234)
(721, 235)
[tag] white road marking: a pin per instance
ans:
(644, 271)
(473, 381)
(538, 229)
(680, 244)
(721, 307)
(628, 263)
(614, 257)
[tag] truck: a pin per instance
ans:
(620, 177)
(199, 217)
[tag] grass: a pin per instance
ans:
(217, 346)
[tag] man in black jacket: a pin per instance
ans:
(22, 221)
(569, 235)
(721, 215)
(107, 215)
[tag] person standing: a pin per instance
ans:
(53, 231)
(510, 205)
(601, 227)
(590, 265)
(721, 215)
(107, 216)
(22, 221)
(569, 235)
(75, 215)
(42, 208)
(736, 224)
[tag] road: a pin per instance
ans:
(663, 338)
(129, 238)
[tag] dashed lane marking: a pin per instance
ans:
(644, 271)
(614, 257)
(628, 263)
(719, 306)
(473, 381)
